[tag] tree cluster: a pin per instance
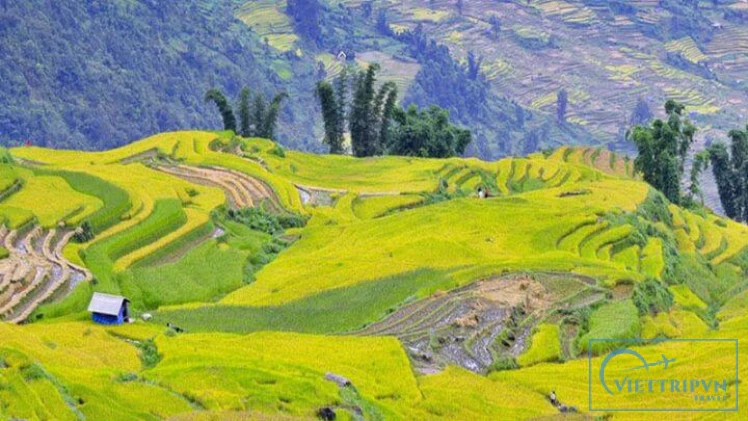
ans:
(257, 119)
(663, 147)
(379, 126)
(730, 170)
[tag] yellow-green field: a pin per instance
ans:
(265, 323)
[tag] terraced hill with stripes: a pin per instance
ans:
(286, 272)
(605, 55)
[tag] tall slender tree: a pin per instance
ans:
(267, 128)
(341, 91)
(730, 170)
(726, 179)
(217, 97)
(363, 143)
(326, 95)
(388, 112)
(259, 110)
(245, 122)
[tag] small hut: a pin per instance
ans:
(109, 309)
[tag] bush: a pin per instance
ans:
(126, 377)
(261, 220)
(505, 362)
(652, 297)
(85, 233)
(278, 151)
(149, 355)
(32, 372)
(5, 156)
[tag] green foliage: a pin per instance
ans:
(176, 247)
(4, 253)
(504, 362)
(427, 133)
(205, 273)
(31, 372)
(166, 217)
(278, 151)
(652, 297)
(149, 356)
(731, 174)
(261, 220)
(378, 126)
(258, 260)
(126, 377)
(331, 116)
(5, 156)
(244, 113)
(84, 234)
(217, 97)
(266, 115)
(663, 148)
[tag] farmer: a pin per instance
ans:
(554, 401)
(482, 193)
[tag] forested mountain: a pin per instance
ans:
(94, 74)
(520, 75)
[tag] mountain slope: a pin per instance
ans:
(388, 271)
(148, 73)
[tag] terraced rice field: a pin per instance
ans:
(268, 20)
(35, 271)
(402, 281)
(466, 326)
(603, 57)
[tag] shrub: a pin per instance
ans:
(652, 297)
(85, 233)
(126, 377)
(504, 362)
(278, 151)
(5, 156)
(32, 372)
(149, 355)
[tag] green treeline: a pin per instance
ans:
(257, 119)
(663, 148)
(378, 126)
(730, 170)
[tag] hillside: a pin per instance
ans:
(605, 54)
(280, 267)
(74, 92)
